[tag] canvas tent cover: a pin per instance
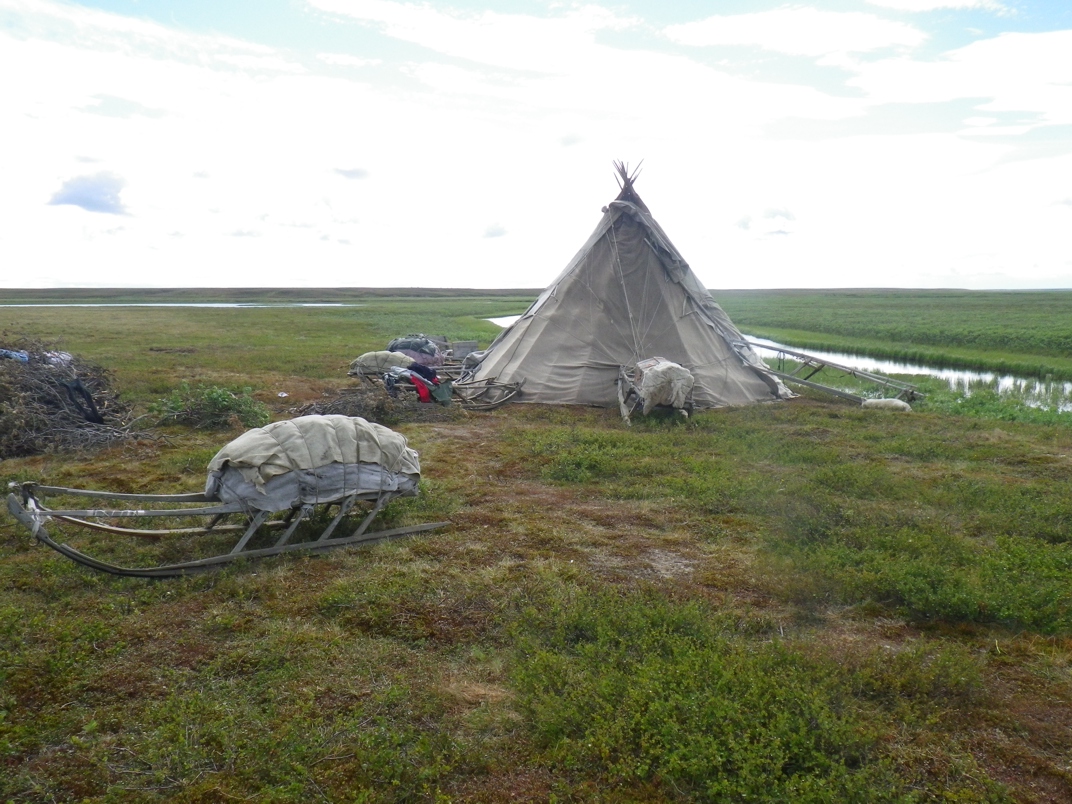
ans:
(627, 295)
(312, 459)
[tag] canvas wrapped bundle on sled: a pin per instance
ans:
(311, 460)
(375, 364)
(274, 480)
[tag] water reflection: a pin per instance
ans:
(1035, 392)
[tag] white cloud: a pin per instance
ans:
(465, 141)
(131, 37)
(344, 60)
(512, 41)
(256, 62)
(120, 107)
(524, 69)
(1027, 73)
(934, 5)
(768, 223)
(799, 31)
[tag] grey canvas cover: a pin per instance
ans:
(312, 459)
(297, 487)
(627, 295)
(379, 362)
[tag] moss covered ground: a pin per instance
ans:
(801, 601)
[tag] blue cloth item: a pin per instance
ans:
(21, 356)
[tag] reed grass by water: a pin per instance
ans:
(1027, 333)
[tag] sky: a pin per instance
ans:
(375, 143)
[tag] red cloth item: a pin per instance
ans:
(423, 394)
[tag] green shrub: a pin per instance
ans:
(986, 400)
(210, 406)
(937, 574)
(648, 692)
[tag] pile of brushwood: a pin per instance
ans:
(376, 405)
(53, 401)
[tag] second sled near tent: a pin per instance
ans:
(396, 371)
(399, 370)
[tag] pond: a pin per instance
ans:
(958, 379)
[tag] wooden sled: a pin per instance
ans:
(252, 537)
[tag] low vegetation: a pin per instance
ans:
(802, 601)
(1028, 333)
(209, 406)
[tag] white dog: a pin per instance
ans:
(886, 404)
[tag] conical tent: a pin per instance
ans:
(627, 295)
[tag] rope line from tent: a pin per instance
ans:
(593, 341)
(644, 295)
(638, 337)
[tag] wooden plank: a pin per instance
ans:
(811, 359)
(818, 387)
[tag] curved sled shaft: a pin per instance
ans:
(485, 394)
(34, 518)
(191, 567)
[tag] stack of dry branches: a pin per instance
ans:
(51, 401)
(374, 404)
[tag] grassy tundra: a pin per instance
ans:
(791, 602)
(1018, 332)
